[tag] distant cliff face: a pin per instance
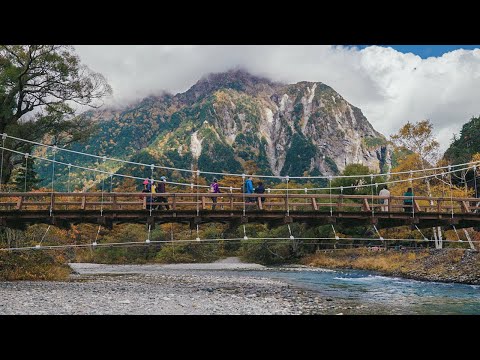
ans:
(227, 119)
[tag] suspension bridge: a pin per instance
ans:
(313, 206)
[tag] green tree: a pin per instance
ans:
(353, 185)
(30, 182)
(40, 86)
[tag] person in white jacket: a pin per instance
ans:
(384, 192)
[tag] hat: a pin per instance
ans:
(163, 178)
(214, 179)
(145, 182)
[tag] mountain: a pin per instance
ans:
(228, 121)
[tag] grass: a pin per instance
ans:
(33, 266)
(439, 265)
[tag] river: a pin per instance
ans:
(393, 295)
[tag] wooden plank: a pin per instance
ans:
(390, 204)
(144, 205)
(203, 202)
(231, 201)
(439, 209)
(314, 204)
(340, 202)
(174, 202)
(260, 203)
(84, 200)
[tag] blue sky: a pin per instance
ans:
(425, 51)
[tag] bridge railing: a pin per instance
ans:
(37, 201)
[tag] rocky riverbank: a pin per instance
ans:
(218, 288)
(445, 265)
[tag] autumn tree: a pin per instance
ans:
(418, 140)
(41, 90)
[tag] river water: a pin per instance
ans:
(392, 295)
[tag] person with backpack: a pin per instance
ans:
(214, 189)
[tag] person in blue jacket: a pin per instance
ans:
(249, 188)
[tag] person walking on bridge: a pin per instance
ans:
(385, 193)
(162, 189)
(260, 189)
(249, 188)
(408, 201)
(214, 189)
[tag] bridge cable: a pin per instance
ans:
(467, 235)
(148, 234)
(26, 169)
(151, 191)
(287, 178)
(198, 205)
(451, 191)
(290, 231)
(475, 184)
(245, 237)
(54, 151)
(136, 243)
(96, 236)
(68, 182)
(4, 136)
(378, 233)
(43, 237)
(412, 196)
(219, 173)
(456, 232)
(371, 187)
(101, 206)
(244, 190)
(330, 188)
(184, 184)
(423, 236)
(336, 237)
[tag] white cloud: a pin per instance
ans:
(390, 87)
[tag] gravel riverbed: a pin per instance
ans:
(217, 288)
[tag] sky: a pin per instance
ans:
(391, 84)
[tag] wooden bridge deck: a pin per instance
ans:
(63, 209)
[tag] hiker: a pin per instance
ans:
(260, 190)
(214, 189)
(144, 190)
(153, 190)
(408, 202)
(249, 188)
(384, 192)
(161, 189)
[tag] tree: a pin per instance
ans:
(26, 178)
(418, 138)
(40, 86)
(356, 182)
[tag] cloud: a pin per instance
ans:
(390, 87)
